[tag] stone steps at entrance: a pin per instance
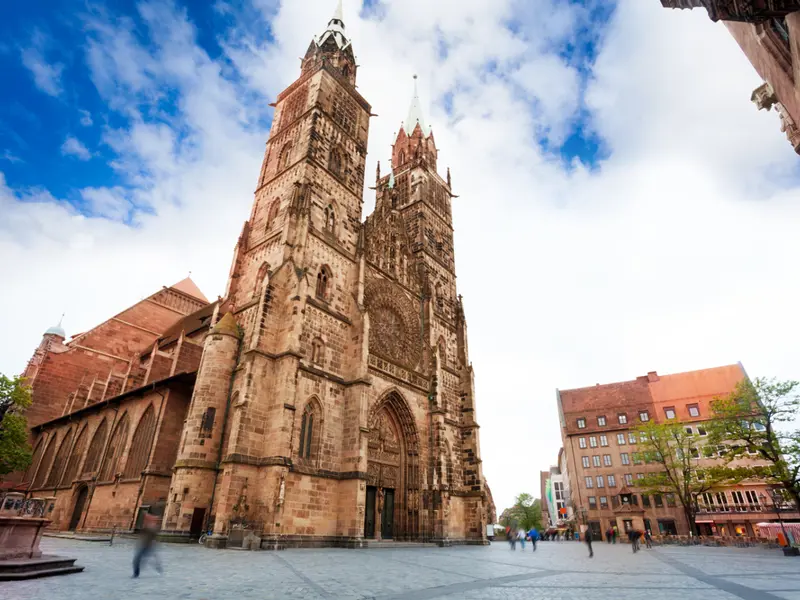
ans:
(30, 568)
(392, 545)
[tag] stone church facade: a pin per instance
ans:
(327, 399)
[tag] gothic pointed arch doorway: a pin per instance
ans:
(392, 508)
(80, 502)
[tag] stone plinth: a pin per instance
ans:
(20, 536)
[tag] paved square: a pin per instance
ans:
(555, 570)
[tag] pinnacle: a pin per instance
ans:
(227, 324)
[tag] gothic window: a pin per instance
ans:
(95, 449)
(60, 462)
(309, 431)
(44, 466)
(273, 213)
(344, 113)
(37, 455)
(401, 158)
(141, 444)
(285, 155)
(323, 283)
(263, 271)
(207, 423)
(330, 219)
(346, 70)
(335, 162)
(74, 463)
(317, 351)
(114, 451)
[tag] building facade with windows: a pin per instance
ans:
(555, 493)
(327, 399)
(768, 32)
(601, 445)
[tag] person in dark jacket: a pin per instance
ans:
(588, 538)
(147, 545)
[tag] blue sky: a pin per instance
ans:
(63, 106)
(622, 206)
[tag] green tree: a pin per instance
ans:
(15, 452)
(686, 471)
(524, 514)
(756, 418)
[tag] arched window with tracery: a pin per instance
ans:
(37, 457)
(346, 70)
(47, 461)
(317, 351)
(323, 283)
(330, 219)
(335, 162)
(60, 462)
(401, 158)
(116, 446)
(273, 213)
(71, 473)
(309, 431)
(263, 271)
(285, 155)
(140, 446)
(95, 453)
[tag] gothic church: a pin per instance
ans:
(327, 399)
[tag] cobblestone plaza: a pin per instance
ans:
(556, 570)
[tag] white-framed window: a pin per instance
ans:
(758, 426)
(585, 461)
(669, 413)
(593, 442)
(582, 442)
(702, 432)
(596, 460)
(695, 453)
(581, 423)
(601, 421)
(589, 483)
(600, 482)
(607, 460)
(752, 497)
(631, 437)
(644, 416)
(625, 458)
(604, 440)
(623, 418)
(612, 481)
(592, 502)
(640, 476)
(637, 458)
(643, 437)
(621, 439)
(628, 478)
(603, 502)
(694, 410)
(690, 431)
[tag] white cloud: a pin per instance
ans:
(72, 146)
(86, 118)
(672, 256)
(46, 75)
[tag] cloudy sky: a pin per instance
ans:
(623, 206)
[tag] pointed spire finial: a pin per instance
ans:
(415, 114)
(338, 15)
(61, 320)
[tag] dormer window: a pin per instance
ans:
(601, 421)
(582, 423)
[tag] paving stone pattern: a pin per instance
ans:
(556, 570)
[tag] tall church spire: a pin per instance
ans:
(335, 30)
(415, 115)
(332, 50)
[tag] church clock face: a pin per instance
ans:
(394, 332)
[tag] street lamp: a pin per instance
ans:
(776, 496)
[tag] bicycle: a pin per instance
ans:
(205, 536)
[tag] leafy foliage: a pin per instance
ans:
(685, 472)
(755, 421)
(15, 452)
(525, 513)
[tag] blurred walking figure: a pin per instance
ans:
(534, 535)
(511, 536)
(633, 536)
(588, 538)
(147, 545)
(521, 537)
(648, 538)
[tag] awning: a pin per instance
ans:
(704, 521)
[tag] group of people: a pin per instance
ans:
(634, 537)
(513, 536)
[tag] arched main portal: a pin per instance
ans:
(80, 502)
(393, 474)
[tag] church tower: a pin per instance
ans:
(333, 404)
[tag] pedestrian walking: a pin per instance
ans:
(648, 538)
(588, 538)
(614, 534)
(534, 535)
(147, 545)
(521, 537)
(511, 536)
